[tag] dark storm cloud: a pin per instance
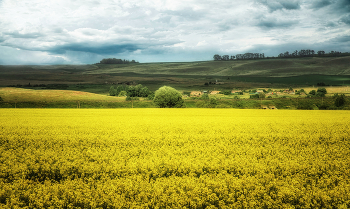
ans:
(345, 19)
(342, 6)
(317, 4)
(341, 39)
(274, 5)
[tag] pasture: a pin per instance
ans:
(157, 158)
(242, 74)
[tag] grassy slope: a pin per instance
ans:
(9, 94)
(270, 73)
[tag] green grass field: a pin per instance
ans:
(97, 78)
(70, 85)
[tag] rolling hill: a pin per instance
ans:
(188, 75)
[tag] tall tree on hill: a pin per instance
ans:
(217, 57)
(321, 53)
(225, 57)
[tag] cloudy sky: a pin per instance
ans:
(86, 31)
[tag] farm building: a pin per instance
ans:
(195, 93)
(214, 92)
(236, 91)
(287, 91)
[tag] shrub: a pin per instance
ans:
(167, 96)
(226, 92)
(254, 96)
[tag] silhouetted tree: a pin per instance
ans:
(217, 57)
(225, 57)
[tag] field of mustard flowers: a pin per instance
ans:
(174, 158)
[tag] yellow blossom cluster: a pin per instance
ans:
(174, 158)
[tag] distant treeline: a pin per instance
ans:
(116, 61)
(295, 54)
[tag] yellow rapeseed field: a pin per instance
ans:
(174, 158)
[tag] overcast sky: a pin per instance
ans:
(86, 31)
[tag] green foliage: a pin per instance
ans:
(205, 97)
(339, 100)
(112, 91)
(131, 91)
(312, 92)
(116, 61)
(188, 93)
(213, 102)
(1, 99)
(322, 90)
(200, 104)
(262, 95)
(167, 96)
(128, 98)
(320, 94)
(138, 91)
(254, 96)
(226, 92)
(120, 89)
(150, 96)
(122, 94)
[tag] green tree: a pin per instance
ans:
(111, 91)
(339, 100)
(167, 96)
(322, 90)
(118, 90)
(312, 92)
(226, 92)
(144, 92)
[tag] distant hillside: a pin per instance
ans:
(267, 72)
